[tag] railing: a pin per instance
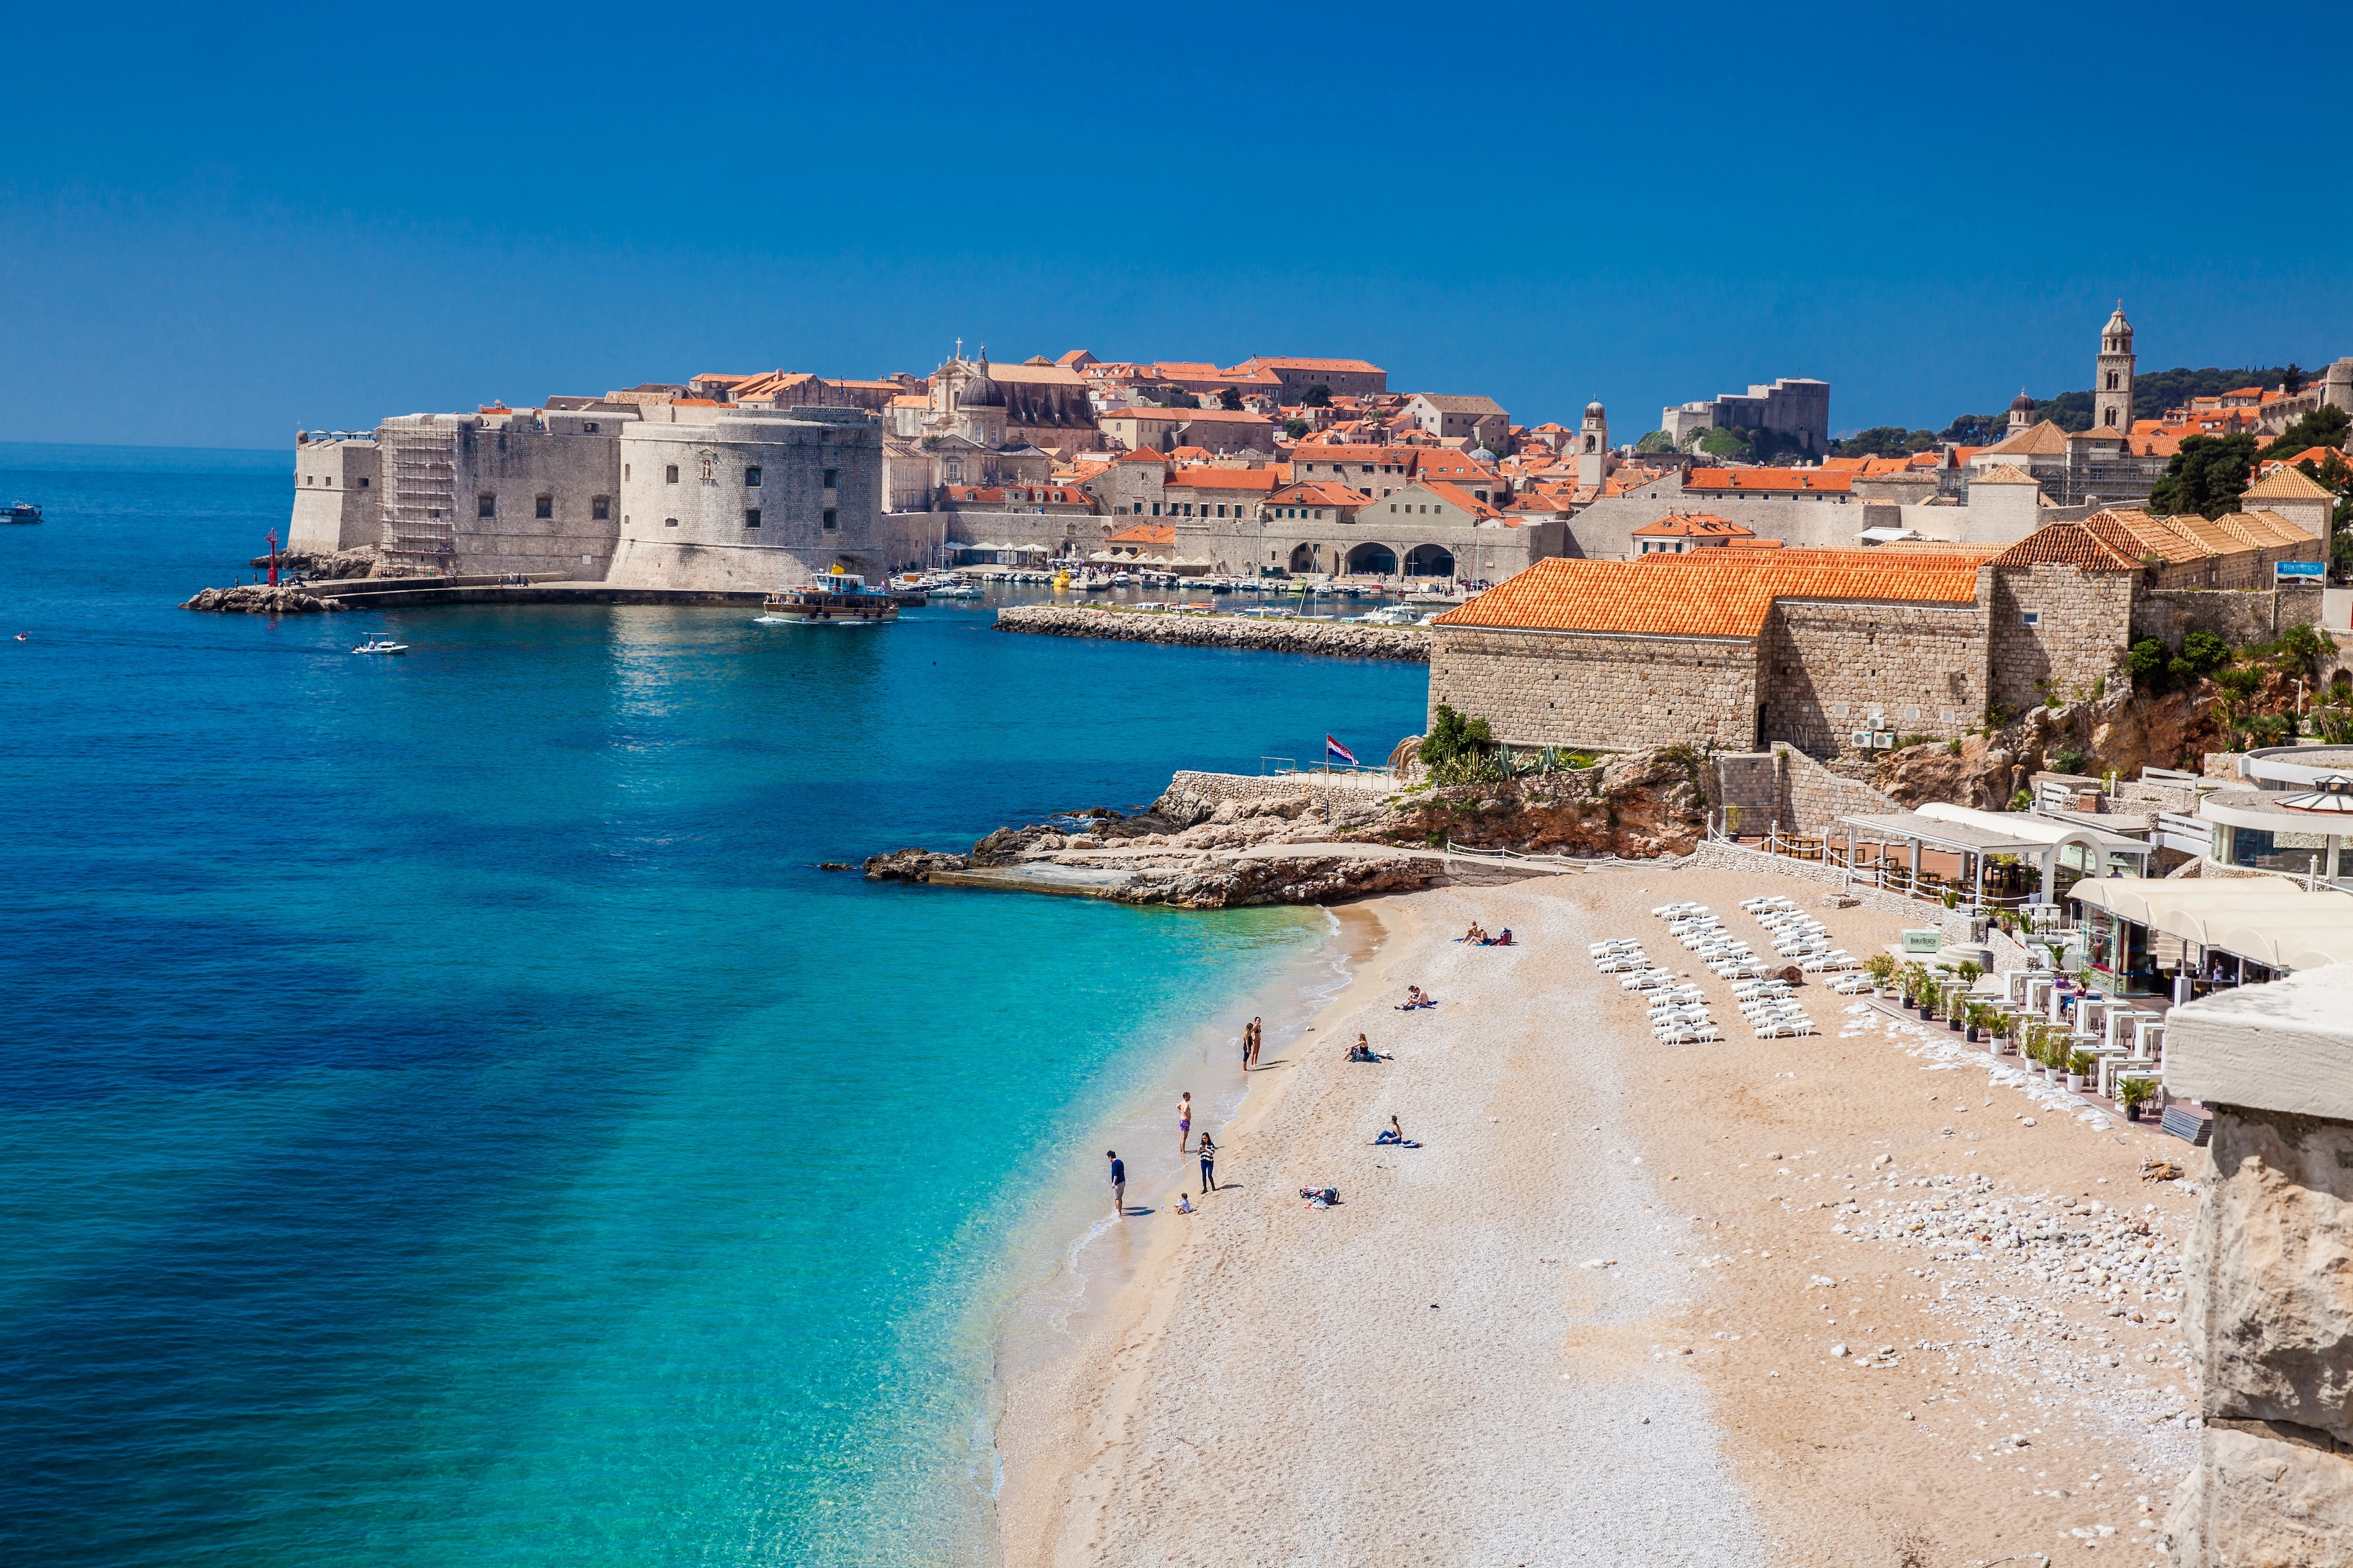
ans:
(1566, 862)
(1900, 879)
(1283, 766)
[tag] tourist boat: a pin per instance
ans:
(838, 598)
(23, 511)
(381, 643)
(957, 590)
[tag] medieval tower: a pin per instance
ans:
(2112, 392)
(1593, 450)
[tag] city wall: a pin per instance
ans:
(2081, 627)
(1827, 664)
(2238, 617)
(1592, 690)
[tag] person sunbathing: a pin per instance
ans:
(1474, 934)
(1393, 1135)
(1415, 996)
(1362, 1051)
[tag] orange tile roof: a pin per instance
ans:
(2079, 545)
(1708, 593)
(1796, 481)
(1208, 479)
(2043, 438)
(1264, 361)
(1145, 533)
(1144, 455)
(1692, 525)
(1317, 492)
(1461, 497)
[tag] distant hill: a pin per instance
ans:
(2153, 392)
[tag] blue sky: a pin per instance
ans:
(223, 226)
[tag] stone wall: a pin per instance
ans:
(2081, 624)
(1813, 798)
(336, 503)
(1328, 638)
(689, 501)
(1824, 665)
(1195, 795)
(2237, 618)
(2269, 1313)
(1592, 690)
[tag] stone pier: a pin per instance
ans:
(2269, 1313)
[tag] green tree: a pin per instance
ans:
(2206, 476)
(2146, 659)
(1884, 441)
(2323, 426)
(1231, 399)
(1295, 427)
(1656, 441)
(1453, 737)
(2292, 379)
(1976, 429)
(1718, 443)
(1316, 397)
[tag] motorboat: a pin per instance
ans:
(957, 590)
(23, 511)
(381, 643)
(837, 598)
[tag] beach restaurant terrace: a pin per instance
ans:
(2197, 935)
(1988, 858)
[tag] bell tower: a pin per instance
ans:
(1593, 448)
(2111, 391)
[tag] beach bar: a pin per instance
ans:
(2144, 936)
(1995, 854)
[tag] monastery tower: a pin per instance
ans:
(2112, 395)
(1593, 448)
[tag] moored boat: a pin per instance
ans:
(838, 598)
(23, 511)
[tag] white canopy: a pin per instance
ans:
(2040, 829)
(2267, 918)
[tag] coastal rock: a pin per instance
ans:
(259, 599)
(911, 865)
(1235, 883)
(339, 565)
(1332, 638)
(1639, 805)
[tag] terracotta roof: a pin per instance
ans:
(1317, 492)
(1708, 593)
(2290, 483)
(1828, 481)
(1145, 533)
(1460, 497)
(1452, 402)
(2261, 530)
(1265, 362)
(1696, 525)
(2000, 474)
(1144, 455)
(2040, 439)
(2073, 544)
(1208, 479)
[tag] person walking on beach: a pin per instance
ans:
(1118, 1182)
(1185, 1121)
(1208, 1163)
(1246, 1048)
(1257, 1038)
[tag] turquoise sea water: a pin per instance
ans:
(445, 1117)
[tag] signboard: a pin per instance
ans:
(2300, 571)
(1923, 940)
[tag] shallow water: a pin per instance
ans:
(445, 1116)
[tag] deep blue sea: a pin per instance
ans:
(447, 1119)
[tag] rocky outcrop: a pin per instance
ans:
(1228, 882)
(1642, 804)
(911, 865)
(340, 566)
(1328, 638)
(259, 599)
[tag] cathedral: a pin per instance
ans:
(979, 424)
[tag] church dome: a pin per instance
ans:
(1482, 455)
(1593, 411)
(2117, 326)
(980, 393)
(2022, 404)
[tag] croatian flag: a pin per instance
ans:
(1335, 752)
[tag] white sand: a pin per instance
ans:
(1435, 1372)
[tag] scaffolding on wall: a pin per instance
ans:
(420, 475)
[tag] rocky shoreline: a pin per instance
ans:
(1330, 639)
(260, 599)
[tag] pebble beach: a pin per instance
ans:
(1864, 1296)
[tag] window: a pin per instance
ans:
(601, 508)
(752, 477)
(329, 481)
(364, 484)
(2034, 618)
(1393, 506)
(625, 471)
(670, 474)
(829, 522)
(751, 517)
(669, 522)
(831, 476)
(544, 506)
(486, 505)
(589, 428)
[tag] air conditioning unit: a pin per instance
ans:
(1884, 741)
(1859, 740)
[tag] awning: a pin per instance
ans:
(2267, 918)
(2041, 829)
(1967, 837)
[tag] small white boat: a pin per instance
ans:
(381, 645)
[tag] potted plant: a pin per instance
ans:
(1978, 1020)
(1956, 1006)
(1916, 986)
(2134, 1093)
(1880, 968)
(2078, 1067)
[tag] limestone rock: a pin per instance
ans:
(260, 599)
(1328, 638)
(911, 865)
(2255, 1500)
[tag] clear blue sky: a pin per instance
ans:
(223, 224)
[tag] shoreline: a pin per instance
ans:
(1625, 1376)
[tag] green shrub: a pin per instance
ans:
(1452, 737)
(2070, 762)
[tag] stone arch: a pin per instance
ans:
(1429, 560)
(1373, 560)
(1307, 558)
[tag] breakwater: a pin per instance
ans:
(1328, 638)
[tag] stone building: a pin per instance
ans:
(336, 506)
(1211, 429)
(1798, 408)
(1473, 420)
(2294, 494)
(503, 489)
(1341, 377)
(751, 499)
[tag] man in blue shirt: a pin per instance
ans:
(1118, 1182)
